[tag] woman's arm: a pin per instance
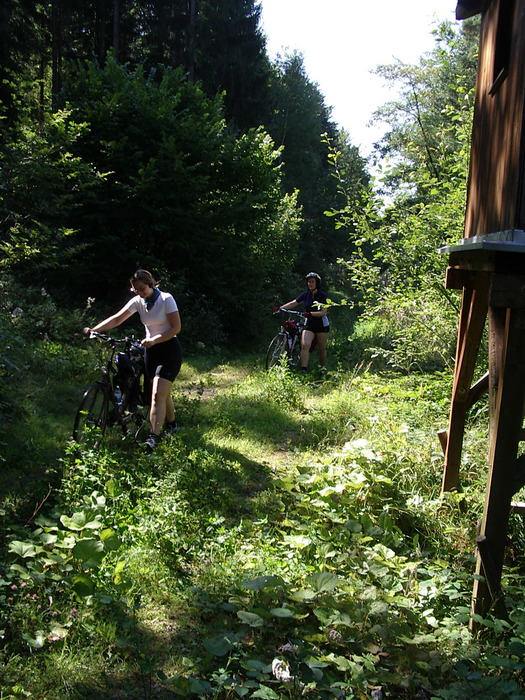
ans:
(289, 305)
(318, 313)
(110, 321)
(174, 329)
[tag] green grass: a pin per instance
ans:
(292, 519)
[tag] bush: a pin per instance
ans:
(408, 333)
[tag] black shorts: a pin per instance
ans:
(163, 360)
(316, 325)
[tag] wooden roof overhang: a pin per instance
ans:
(469, 8)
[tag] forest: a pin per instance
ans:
(291, 540)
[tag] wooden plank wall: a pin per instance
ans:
(494, 201)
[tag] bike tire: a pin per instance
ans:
(295, 353)
(92, 413)
(277, 348)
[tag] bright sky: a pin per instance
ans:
(343, 40)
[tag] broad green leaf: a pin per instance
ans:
(36, 642)
(80, 521)
(341, 618)
(104, 598)
(198, 688)
(90, 552)
(113, 488)
(325, 615)
(323, 582)
(253, 665)
(262, 582)
(340, 662)
(303, 594)
(378, 607)
(218, 646)
(265, 692)
(83, 585)
(297, 541)
(250, 618)
(23, 549)
(110, 539)
(48, 538)
(281, 612)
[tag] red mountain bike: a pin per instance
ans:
(287, 342)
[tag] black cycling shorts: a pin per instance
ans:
(315, 325)
(163, 360)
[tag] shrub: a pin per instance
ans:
(408, 333)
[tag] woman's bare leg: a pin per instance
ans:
(306, 342)
(162, 408)
(321, 347)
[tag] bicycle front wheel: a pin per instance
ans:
(92, 414)
(295, 353)
(277, 348)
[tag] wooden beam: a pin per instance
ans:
(506, 395)
(470, 8)
(471, 324)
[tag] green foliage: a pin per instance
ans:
(290, 541)
(193, 193)
(41, 181)
(409, 333)
(416, 206)
(299, 122)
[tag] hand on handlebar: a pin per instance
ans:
(91, 334)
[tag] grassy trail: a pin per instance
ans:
(292, 520)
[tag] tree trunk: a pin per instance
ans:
(116, 28)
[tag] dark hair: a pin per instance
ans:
(143, 276)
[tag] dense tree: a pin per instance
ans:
(300, 122)
(24, 47)
(417, 204)
(230, 56)
(431, 96)
(159, 147)
(217, 43)
(179, 193)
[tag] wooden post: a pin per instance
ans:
(471, 324)
(507, 392)
(490, 272)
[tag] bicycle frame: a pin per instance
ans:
(101, 406)
(287, 342)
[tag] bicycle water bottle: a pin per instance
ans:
(118, 396)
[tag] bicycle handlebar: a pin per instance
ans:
(114, 341)
(289, 311)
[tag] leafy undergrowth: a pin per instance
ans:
(289, 542)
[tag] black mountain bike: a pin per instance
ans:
(118, 398)
(287, 342)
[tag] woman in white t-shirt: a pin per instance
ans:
(159, 313)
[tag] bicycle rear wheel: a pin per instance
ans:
(92, 414)
(277, 348)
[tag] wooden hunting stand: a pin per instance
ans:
(489, 267)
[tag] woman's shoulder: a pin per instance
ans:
(134, 303)
(169, 299)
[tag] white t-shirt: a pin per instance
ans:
(156, 319)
